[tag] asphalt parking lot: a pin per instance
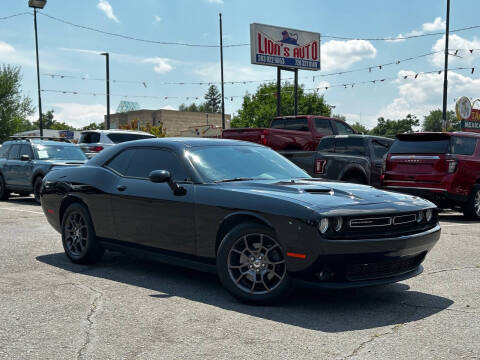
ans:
(127, 308)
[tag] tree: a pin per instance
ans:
(14, 107)
(50, 123)
(158, 131)
(390, 128)
(433, 121)
(193, 107)
(213, 100)
(259, 109)
(361, 129)
(93, 126)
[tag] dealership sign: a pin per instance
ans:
(469, 117)
(290, 48)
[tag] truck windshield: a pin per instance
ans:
(59, 152)
(220, 163)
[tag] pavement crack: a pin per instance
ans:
(95, 303)
(451, 269)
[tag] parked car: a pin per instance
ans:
(94, 141)
(352, 158)
(302, 132)
(241, 210)
(441, 167)
(25, 161)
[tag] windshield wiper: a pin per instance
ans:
(234, 179)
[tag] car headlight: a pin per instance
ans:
(337, 224)
(323, 226)
(428, 215)
(420, 217)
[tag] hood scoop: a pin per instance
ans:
(319, 191)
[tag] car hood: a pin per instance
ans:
(329, 195)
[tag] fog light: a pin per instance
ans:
(428, 215)
(338, 224)
(420, 217)
(323, 226)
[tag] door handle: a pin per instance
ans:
(378, 166)
(121, 187)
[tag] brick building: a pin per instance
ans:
(174, 122)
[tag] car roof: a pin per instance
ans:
(38, 141)
(116, 131)
(435, 135)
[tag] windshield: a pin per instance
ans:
(219, 163)
(59, 152)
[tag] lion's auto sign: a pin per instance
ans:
(278, 46)
(470, 117)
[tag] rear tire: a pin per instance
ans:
(37, 186)
(4, 193)
(78, 236)
(355, 179)
(251, 264)
(471, 209)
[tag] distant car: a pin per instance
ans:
(93, 141)
(441, 167)
(241, 210)
(351, 158)
(24, 163)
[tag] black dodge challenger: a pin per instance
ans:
(239, 209)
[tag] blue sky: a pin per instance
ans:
(67, 50)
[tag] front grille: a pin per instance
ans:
(370, 271)
(370, 222)
(404, 219)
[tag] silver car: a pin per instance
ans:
(94, 141)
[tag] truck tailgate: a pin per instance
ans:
(247, 134)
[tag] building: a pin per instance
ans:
(72, 135)
(174, 122)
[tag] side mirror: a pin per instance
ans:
(159, 176)
(25, 158)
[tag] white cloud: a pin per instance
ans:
(162, 65)
(456, 42)
(79, 115)
(107, 9)
(168, 107)
(340, 55)
(210, 72)
(215, 1)
(8, 54)
(157, 18)
(437, 25)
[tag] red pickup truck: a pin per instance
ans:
(301, 132)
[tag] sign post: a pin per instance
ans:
(287, 49)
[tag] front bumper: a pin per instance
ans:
(366, 262)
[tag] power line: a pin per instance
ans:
(15, 15)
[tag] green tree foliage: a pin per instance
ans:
(193, 107)
(213, 100)
(390, 128)
(259, 109)
(93, 126)
(14, 107)
(50, 123)
(361, 129)
(433, 121)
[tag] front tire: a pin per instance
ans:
(78, 236)
(4, 193)
(251, 264)
(471, 209)
(37, 186)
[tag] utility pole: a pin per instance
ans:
(221, 72)
(40, 119)
(445, 71)
(107, 58)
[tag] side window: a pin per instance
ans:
(13, 153)
(350, 146)
(300, 124)
(323, 126)
(120, 162)
(277, 124)
(343, 129)
(4, 151)
(462, 145)
(26, 149)
(380, 148)
(146, 160)
(327, 144)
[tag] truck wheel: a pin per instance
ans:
(471, 209)
(251, 264)
(355, 179)
(4, 193)
(37, 186)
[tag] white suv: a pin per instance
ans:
(94, 141)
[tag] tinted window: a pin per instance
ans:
(350, 146)
(26, 150)
(300, 124)
(13, 153)
(89, 137)
(461, 145)
(440, 146)
(278, 124)
(323, 126)
(4, 151)
(144, 161)
(380, 148)
(327, 144)
(119, 137)
(120, 162)
(343, 129)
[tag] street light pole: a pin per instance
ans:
(445, 72)
(221, 72)
(107, 58)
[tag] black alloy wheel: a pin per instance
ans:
(4, 193)
(251, 264)
(78, 236)
(37, 186)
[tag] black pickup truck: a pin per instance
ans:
(352, 158)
